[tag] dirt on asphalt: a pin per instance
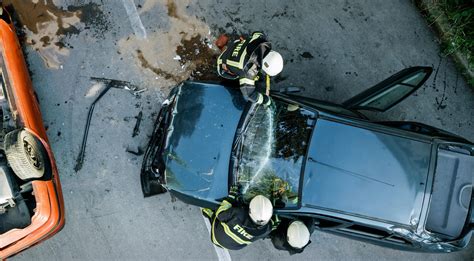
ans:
(44, 26)
(182, 50)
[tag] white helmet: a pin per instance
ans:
(260, 210)
(272, 63)
(297, 234)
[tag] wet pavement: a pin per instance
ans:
(334, 49)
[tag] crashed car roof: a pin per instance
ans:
(362, 172)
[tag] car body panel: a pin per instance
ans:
(49, 218)
(452, 191)
(202, 173)
(348, 165)
(369, 181)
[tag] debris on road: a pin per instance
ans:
(137, 151)
(196, 51)
(132, 88)
(109, 83)
(146, 64)
(136, 129)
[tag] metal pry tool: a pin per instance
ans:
(109, 83)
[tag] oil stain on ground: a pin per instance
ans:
(44, 26)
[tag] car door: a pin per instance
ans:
(321, 105)
(391, 91)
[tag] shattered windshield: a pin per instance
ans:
(272, 152)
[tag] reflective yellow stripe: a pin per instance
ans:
(232, 63)
(260, 99)
(207, 212)
(267, 84)
(213, 235)
(255, 36)
(242, 58)
(219, 62)
(246, 81)
(225, 205)
(236, 238)
(240, 63)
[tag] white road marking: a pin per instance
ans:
(134, 18)
(222, 254)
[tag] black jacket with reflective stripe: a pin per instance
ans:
(279, 235)
(232, 227)
(241, 55)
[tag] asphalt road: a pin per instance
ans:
(334, 49)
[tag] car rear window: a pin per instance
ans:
(273, 151)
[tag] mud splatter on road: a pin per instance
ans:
(174, 52)
(92, 18)
(37, 16)
(171, 9)
(145, 64)
(44, 25)
(197, 52)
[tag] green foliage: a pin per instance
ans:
(471, 82)
(460, 36)
(269, 185)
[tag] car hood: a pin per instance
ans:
(367, 173)
(199, 140)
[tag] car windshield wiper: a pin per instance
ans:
(245, 124)
(239, 138)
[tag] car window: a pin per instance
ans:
(390, 91)
(273, 150)
(385, 99)
(415, 79)
(326, 106)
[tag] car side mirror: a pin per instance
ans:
(291, 89)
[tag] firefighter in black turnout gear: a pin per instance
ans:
(249, 60)
(234, 226)
(293, 235)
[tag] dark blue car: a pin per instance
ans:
(399, 184)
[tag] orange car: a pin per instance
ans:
(31, 202)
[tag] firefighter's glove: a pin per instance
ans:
(275, 222)
(234, 191)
